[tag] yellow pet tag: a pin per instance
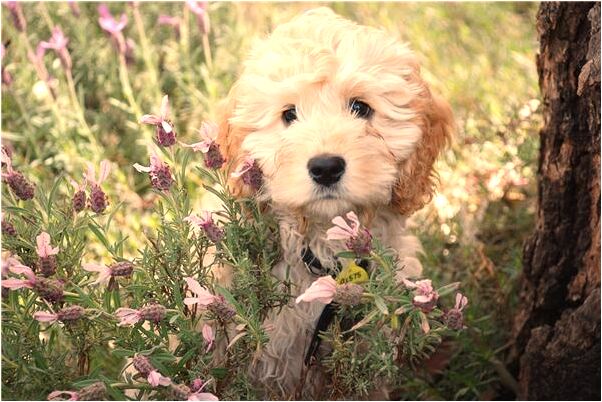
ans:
(352, 273)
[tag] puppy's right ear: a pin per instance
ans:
(229, 139)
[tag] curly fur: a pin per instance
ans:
(318, 62)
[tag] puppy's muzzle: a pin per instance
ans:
(326, 170)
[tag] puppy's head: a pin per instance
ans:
(337, 117)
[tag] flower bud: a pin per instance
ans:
(122, 268)
(196, 385)
(49, 289)
(164, 138)
(47, 265)
(142, 364)
(153, 312)
(222, 309)
(70, 313)
(161, 178)
(8, 229)
(22, 188)
(214, 233)
(214, 158)
(360, 244)
(349, 294)
(454, 319)
(98, 199)
(93, 392)
(78, 202)
(253, 177)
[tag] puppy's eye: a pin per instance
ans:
(360, 109)
(289, 115)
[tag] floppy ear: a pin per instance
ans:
(417, 181)
(229, 139)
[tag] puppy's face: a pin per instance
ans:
(337, 117)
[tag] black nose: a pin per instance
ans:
(326, 170)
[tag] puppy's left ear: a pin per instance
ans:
(229, 139)
(418, 180)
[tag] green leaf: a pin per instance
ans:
(219, 372)
(447, 289)
(381, 305)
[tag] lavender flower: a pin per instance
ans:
(213, 157)
(20, 186)
(93, 392)
(58, 42)
(213, 232)
(98, 199)
(425, 297)
(349, 294)
(7, 228)
(67, 314)
(250, 173)
(159, 172)
(46, 254)
(74, 8)
(7, 79)
(454, 318)
(357, 239)
(113, 27)
(146, 368)
(128, 316)
(16, 12)
(166, 136)
(106, 274)
(199, 8)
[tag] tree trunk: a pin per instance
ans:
(557, 327)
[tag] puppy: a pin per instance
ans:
(338, 118)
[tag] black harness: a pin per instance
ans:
(314, 266)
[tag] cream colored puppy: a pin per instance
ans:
(338, 118)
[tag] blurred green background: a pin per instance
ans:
(479, 56)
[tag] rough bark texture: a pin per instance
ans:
(557, 328)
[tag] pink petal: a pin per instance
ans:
(142, 169)
(150, 119)
(104, 272)
(21, 269)
(203, 296)
(337, 233)
(423, 298)
(322, 290)
(105, 168)
(164, 107)
(44, 249)
(73, 396)
(155, 379)
(91, 267)
(208, 131)
(45, 316)
(208, 336)
(16, 284)
(198, 146)
(244, 167)
(461, 301)
(127, 316)
(409, 284)
(166, 126)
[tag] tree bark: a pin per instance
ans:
(557, 327)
